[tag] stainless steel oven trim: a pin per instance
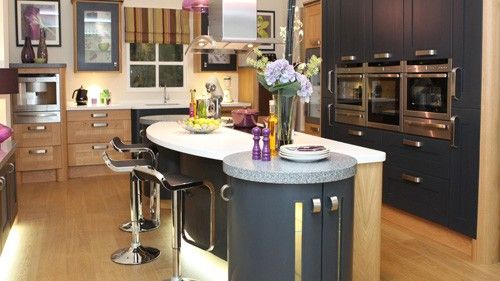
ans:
(430, 68)
(36, 117)
(430, 115)
(398, 128)
(428, 75)
(386, 69)
(39, 108)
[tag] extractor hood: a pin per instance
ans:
(232, 29)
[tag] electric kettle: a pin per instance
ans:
(81, 96)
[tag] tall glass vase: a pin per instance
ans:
(286, 106)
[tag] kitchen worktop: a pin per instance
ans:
(149, 105)
(37, 65)
(226, 141)
(7, 149)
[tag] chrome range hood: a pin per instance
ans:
(232, 29)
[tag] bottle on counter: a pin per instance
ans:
(273, 127)
(192, 104)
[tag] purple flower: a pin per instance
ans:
(306, 88)
(279, 71)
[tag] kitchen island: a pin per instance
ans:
(202, 155)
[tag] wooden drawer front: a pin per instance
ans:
(29, 135)
(357, 135)
(98, 131)
(38, 158)
(98, 115)
(427, 199)
(425, 155)
(91, 154)
(312, 129)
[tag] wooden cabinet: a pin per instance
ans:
(32, 135)
(384, 33)
(8, 199)
(39, 158)
(89, 135)
(351, 31)
(312, 25)
(428, 29)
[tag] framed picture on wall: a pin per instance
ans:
(32, 16)
(266, 29)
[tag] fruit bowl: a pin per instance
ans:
(200, 125)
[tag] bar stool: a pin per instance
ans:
(176, 184)
(154, 203)
(136, 253)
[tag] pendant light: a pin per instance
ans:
(200, 6)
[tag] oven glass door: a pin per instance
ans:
(427, 95)
(349, 91)
(384, 92)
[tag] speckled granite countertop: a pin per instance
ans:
(7, 149)
(337, 167)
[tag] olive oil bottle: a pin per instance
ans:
(273, 127)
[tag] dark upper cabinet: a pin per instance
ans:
(428, 29)
(351, 31)
(384, 32)
(464, 178)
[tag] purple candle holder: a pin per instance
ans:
(256, 143)
(266, 149)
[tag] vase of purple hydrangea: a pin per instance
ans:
(287, 83)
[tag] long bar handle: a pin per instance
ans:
(99, 115)
(37, 128)
(330, 122)
(350, 114)
(355, 133)
(454, 120)
(329, 85)
(411, 143)
(382, 56)
(412, 179)
(456, 95)
(37, 151)
(348, 58)
(427, 125)
(100, 147)
(426, 53)
(316, 205)
(100, 125)
(36, 114)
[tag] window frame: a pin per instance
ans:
(157, 63)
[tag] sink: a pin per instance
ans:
(160, 104)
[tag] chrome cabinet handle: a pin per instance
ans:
(412, 179)
(37, 151)
(427, 125)
(348, 58)
(413, 143)
(335, 203)
(99, 115)
(382, 56)
(3, 183)
(99, 125)
(316, 205)
(315, 42)
(330, 122)
(37, 128)
(225, 188)
(12, 168)
(453, 88)
(350, 114)
(355, 133)
(329, 85)
(36, 114)
(454, 120)
(426, 53)
(99, 147)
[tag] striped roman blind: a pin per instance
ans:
(163, 26)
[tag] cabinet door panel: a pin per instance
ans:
(428, 29)
(4, 225)
(384, 30)
(465, 172)
(352, 26)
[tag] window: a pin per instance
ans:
(153, 66)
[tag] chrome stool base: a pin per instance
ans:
(135, 256)
(145, 226)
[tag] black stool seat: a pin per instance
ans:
(122, 147)
(171, 182)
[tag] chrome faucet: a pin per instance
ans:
(166, 96)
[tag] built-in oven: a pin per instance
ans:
(349, 96)
(384, 91)
(38, 99)
(429, 90)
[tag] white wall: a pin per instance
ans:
(4, 59)
(117, 82)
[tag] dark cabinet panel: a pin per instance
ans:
(327, 116)
(351, 28)
(428, 29)
(384, 21)
(465, 172)
(356, 135)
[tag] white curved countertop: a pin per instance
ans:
(226, 141)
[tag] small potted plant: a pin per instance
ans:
(106, 97)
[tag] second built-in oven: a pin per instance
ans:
(427, 100)
(349, 96)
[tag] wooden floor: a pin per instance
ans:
(67, 231)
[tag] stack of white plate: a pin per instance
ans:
(303, 153)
